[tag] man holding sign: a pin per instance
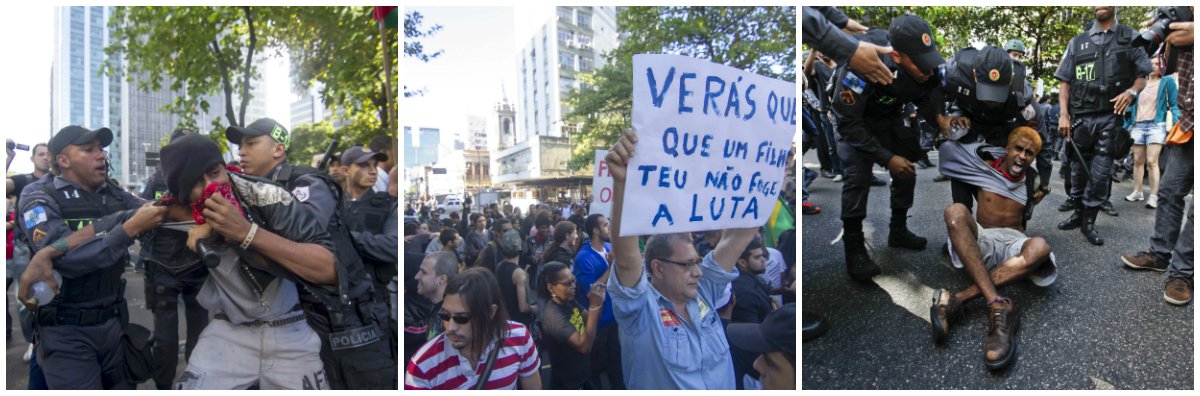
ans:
(665, 306)
(872, 128)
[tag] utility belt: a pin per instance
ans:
(355, 346)
(53, 315)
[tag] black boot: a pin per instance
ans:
(814, 325)
(858, 262)
(1089, 226)
(900, 236)
(1108, 208)
(1069, 204)
(1072, 222)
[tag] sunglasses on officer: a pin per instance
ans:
(460, 319)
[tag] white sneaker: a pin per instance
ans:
(1152, 203)
(837, 178)
(1135, 196)
(28, 353)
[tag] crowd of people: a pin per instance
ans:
(287, 273)
(556, 298)
(888, 97)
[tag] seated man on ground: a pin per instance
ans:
(992, 247)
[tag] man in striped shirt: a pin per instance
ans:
(476, 323)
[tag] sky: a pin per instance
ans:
(481, 48)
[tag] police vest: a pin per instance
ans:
(355, 346)
(370, 214)
(80, 208)
(1101, 71)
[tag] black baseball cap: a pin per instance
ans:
(993, 74)
(912, 36)
(777, 333)
(77, 135)
(263, 126)
(359, 154)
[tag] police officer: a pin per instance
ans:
(1101, 73)
(986, 87)
(354, 342)
(80, 330)
(872, 131)
(373, 223)
(171, 273)
(1015, 49)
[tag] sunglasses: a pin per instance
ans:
(460, 319)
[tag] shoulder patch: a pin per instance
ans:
(34, 216)
(854, 83)
(301, 193)
(848, 98)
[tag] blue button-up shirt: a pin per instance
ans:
(664, 351)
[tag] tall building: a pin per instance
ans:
(80, 95)
(424, 150)
(310, 109)
(477, 131)
(573, 42)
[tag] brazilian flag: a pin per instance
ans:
(782, 219)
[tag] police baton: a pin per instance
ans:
(329, 153)
(1078, 154)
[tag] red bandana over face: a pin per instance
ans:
(998, 164)
(224, 189)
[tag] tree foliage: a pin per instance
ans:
(757, 39)
(212, 50)
(312, 139)
(1045, 30)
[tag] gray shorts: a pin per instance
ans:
(996, 245)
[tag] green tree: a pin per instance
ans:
(1045, 30)
(312, 139)
(757, 39)
(202, 51)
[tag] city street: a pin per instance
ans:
(1100, 326)
(17, 371)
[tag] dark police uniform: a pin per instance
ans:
(373, 224)
(354, 344)
(871, 124)
(353, 328)
(991, 67)
(1099, 65)
(80, 330)
(171, 272)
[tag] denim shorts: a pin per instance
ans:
(1148, 132)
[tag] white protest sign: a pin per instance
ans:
(712, 148)
(602, 183)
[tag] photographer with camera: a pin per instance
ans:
(1171, 248)
(1101, 74)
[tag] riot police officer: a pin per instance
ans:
(354, 343)
(80, 330)
(872, 131)
(1101, 73)
(373, 223)
(985, 87)
(171, 273)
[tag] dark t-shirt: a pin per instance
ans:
(559, 323)
(753, 299)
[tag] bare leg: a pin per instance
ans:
(963, 232)
(1152, 152)
(1033, 253)
(1139, 166)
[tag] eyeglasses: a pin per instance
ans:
(567, 283)
(460, 319)
(686, 265)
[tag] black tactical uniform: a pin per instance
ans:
(171, 272)
(987, 87)
(354, 330)
(373, 223)
(870, 121)
(80, 330)
(1099, 65)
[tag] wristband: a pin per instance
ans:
(1132, 92)
(250, 236)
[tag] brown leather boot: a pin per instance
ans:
(1000, 345)
(945, 309)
